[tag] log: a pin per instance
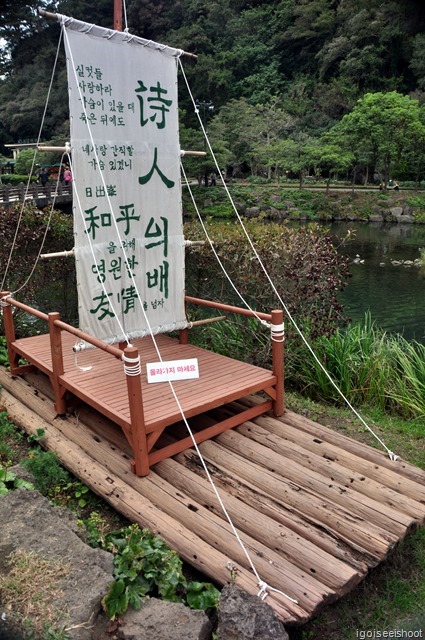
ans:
(328, 570)
(339, 521)
(307, 451)
(361, 506)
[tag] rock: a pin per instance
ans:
(245, 617)
(396, 211)
(31, 524)
(161, 620)
(376, 217)
(252, 212)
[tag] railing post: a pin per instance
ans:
(278, 337)
(132, 369)
(9, 330)
(57, 362)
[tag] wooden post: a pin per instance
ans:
(118, 15)
(278, 368)
(9, 330)
(57, 362)
(140, 466)
(184, 333)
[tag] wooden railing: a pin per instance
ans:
(35, 193)
(137, 433)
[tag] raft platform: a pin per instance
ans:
(315, 509)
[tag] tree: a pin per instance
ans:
(382, 128)
(331, 158)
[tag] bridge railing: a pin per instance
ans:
(9, 195)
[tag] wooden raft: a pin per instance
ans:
(315, 509)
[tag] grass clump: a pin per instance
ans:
(368, 365)
(30, 590)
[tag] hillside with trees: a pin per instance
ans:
(328, 87)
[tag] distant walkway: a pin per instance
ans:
(40, 196)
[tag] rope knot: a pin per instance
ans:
(393, 456)
(132, 366)
(278, 332)
(263, 593)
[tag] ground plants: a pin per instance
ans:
(368, 366)
(144, 564)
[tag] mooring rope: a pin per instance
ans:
(18, 224)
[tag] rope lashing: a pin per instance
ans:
(132, 366)
(265, 588)
(3, 303)
(393, 456)
(278, 332)
(77, 348)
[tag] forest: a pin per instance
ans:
(286, 88)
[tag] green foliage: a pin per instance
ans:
(144, 564)
(61, 275)
(9, 481)
(367, 365)
(302, 263)
(10, 437)
(14, 179)
(47, 471)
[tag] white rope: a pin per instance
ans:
(75, 191)
(132, 366)
(18, 224)
(278, 332)
(125, 16)
(391, 455)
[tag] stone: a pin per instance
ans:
(375, 217)
(396, 211)
(31, 524)
(245, 617)
(253, 212)
(161, 620)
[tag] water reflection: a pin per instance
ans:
(394, 293)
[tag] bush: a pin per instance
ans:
(303, 264)
(14, 179)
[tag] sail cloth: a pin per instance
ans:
(128, 226)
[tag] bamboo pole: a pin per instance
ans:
(229, 308)
(55, 16)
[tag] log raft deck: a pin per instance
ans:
(314, 509)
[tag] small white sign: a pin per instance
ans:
(172, 370)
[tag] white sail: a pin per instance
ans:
(129, 243)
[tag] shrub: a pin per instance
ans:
(14, 179)
(302, 263)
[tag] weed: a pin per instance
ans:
(29, 590)
(9, 481)
(47, 471)
(145, 564)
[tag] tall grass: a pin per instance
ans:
(368, 366)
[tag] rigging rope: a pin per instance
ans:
(390, 453)
(18, 224)
(130, 367)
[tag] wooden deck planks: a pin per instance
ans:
(104, 384)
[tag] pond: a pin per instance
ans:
(392, 292)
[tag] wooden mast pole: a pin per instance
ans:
(118, 15)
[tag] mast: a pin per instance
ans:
(118, 15)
